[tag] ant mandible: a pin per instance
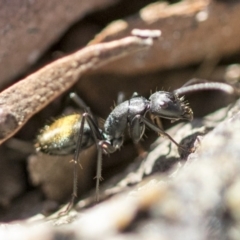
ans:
(73, 133)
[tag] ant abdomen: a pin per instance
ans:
(60, 137)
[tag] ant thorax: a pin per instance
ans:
(122, 115)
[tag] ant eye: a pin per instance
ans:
(163, 105)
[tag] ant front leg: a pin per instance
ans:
(145, 121)
(136, 132)
(137, 128)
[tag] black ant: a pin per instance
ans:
(71, 134)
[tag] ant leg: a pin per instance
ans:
(120, 97)
(82, 105)
(99, 172)
(94, 127)
(79, 101)
(108, 148)
(159, 130)
(101, 145)
(135, 94)
(75, 170)
(137, 129)
(97, 136)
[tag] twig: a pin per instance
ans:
(22, 100)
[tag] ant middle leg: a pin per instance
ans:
(76, 162)
(88, 129)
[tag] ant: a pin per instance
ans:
(73, 133)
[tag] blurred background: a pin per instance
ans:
(200, 39)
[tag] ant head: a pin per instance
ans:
(169, 105)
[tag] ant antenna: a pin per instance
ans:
(205, 86)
